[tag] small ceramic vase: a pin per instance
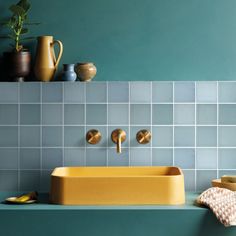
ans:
(85, 71)
(69, 72)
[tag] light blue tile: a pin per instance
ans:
(133, 132)
(162, 156)
(30, 180)
(226, 172)
(74, 156)
(9, 92)
(52, 114)
(162, 92)
(140, 157)
(30, 158)
(140, 114)
(8, 136)
(184, 91)
(30, 92)
(52, 136)
(96, 92)
(74, 114)
(96, 114)
(103, 131)
(74, 136)
(204, 178)
(52, 92)
(96, 157)
(162, 136)
(52, 158)
(184, 136)
(111, 129)
(227, 92)
(8, 180)
(162, 114)
(45, 181)
(8, 114)
(184, 114)
(206, 114)
(206, 136)
(206, 158)
(227, 158)
(118, 114)
(30, 114)
(118, 159)
(227, 114)
(74, 92)
(8, 158)
(189, 180)
(185, 158)
(227, 136)
(206, 92)
(30, 136)
(140, 92)
(118, 92)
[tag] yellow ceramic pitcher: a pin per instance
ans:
(46, 63)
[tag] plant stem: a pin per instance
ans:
(18, 32)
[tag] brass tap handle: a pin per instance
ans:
(118, 136)
(93, 136)
(143, 136)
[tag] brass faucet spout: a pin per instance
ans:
(118, 136)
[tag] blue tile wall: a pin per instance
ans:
(43, 125)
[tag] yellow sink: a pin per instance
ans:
(117, 186)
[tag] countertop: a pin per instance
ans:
(43, 204)
(151, 220)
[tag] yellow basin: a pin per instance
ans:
(117, 186)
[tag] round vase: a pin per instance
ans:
(85, 71)
(17, 65)
(69, 72)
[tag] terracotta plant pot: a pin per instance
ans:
(85, 71)
(17, 65)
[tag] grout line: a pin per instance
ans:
(202, 169)
(173, 126)
(63, 125)
(195, 135)
(112, 125)
(168, 147)
(151, 125)
(129, 151)
(107, 134)
(18, 143)
(217, 129)
(85, 125)
(41, 133)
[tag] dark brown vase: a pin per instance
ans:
(17, 65)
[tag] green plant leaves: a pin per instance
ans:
(24, 4)
(24, 31)
(17, 24)
(17, 10)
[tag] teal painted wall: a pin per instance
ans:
(143, 40)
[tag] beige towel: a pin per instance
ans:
(222, 202)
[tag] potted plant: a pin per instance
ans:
(17, 61)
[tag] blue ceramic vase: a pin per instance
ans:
(69, 72)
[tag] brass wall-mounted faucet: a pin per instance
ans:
(143, 136)
(118, 136)
(93, 136)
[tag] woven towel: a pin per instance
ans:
(222, 202)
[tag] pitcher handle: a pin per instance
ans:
(60, 52)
